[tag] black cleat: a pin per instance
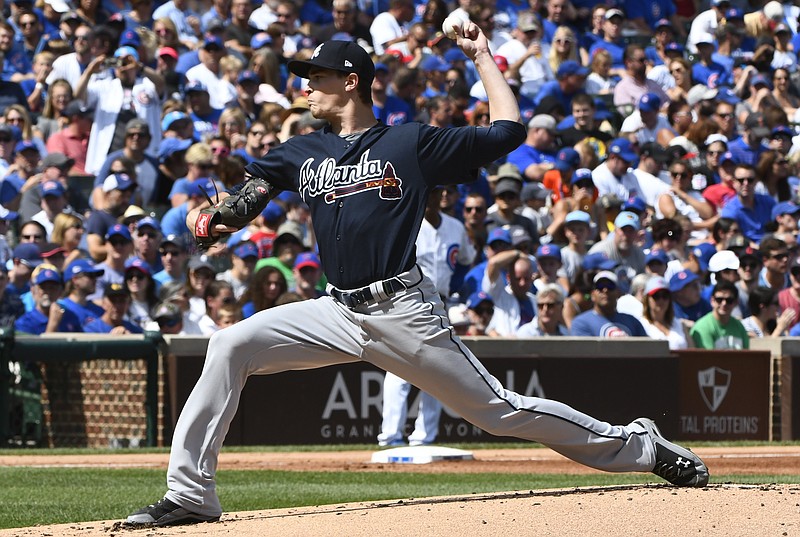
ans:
(166, 513)
(674, 463)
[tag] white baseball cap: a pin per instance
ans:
(654, 285)
(716, 137)
(723, 260)
(606, 275)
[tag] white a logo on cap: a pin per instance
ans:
(316, 51)
(347, 63)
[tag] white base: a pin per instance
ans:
(420, 455)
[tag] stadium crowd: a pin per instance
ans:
(655, 194)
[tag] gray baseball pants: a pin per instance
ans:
(407, 334)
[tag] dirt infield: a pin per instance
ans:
(728, 510)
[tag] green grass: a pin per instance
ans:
(31, 496)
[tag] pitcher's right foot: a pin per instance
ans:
(674, 463)
(166, 513)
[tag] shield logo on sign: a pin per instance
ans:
(713, 383)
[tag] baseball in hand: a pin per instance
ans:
(453, 25)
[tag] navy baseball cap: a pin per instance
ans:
(726, 95)
(659, 256)
(674, 47)
(148, 221)
(779, 130)
(47, 275)
(137, 263)
(571, 67)
(272, 212)
(51, 188)
(195, 87)
(634, 204)
(28, 253)
(245, 250)
(784, 207)
(548, 250)
(623, 148)
(307, 259)
(259, 40)
(170, 146)
(598, 261)
(25, 145)
(734, 13)
(434, 63)
(649, 102)
(567, 158)
(343, 56)
(247, 76)
(703, 252)
(129, 38)
(118, 230)
(212, 40)
(681, 279)
(82, 266)
(498, 234)
(761, 80)
(454, 54)
(478, 297)
(662, 23)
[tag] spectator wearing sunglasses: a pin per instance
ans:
(146, 240)
(549, 320)
(751, 210)
(137, 140)
(603, 320)
(719, 329)
(775, 256)
(658, 315)
(116, 301)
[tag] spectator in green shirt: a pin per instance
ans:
(719, 329)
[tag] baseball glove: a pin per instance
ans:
(236, 210)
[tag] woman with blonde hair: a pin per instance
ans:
(233, 127)
(599, 81)
(681, 71)
(51, 120)
(17, 116)
(67, 232)
(266, 65)
(563, 47)
(199, 159)
(167, 35)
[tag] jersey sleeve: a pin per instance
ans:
(274, 168)
(470, 147)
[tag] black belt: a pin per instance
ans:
(351, 299)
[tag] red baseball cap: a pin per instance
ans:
(502, 63)
(168, 51)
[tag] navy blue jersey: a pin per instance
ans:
(383, 176)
